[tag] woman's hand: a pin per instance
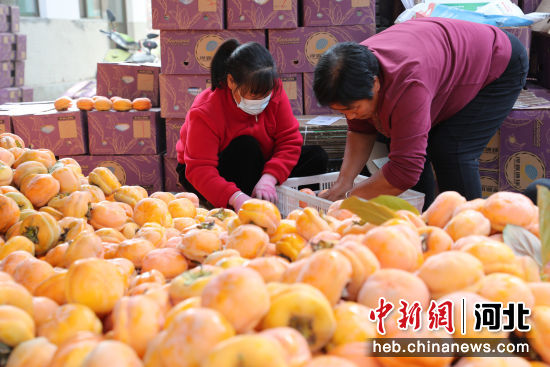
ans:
(265, 188)
(337, 191)
(237, 200)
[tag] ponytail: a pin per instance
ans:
(250, 64)
(218, 67)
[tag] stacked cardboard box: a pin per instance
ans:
(299, 31)
(41, 126)
(13, 52)
(130, 143)
(524, 150)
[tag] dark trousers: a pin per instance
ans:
(455, 145)
(242, 162)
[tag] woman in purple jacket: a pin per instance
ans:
(437, 88)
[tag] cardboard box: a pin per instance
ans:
(524, 34)
(14, 19)
(7, 41)
(27, 94)
(10, 95)
(173, 127)
(489, 158)
(529, 6)
(64, 133)
(171, 177)
(7, 73)
(142, 170)
(343, 12)
(5, 123)
(489, 182)
(293, 85)
(129, 81)
(16, 94)
(176, 14)
(332, 138)
(133, 132)
(311, 106)
(190, 52)
(179, 91)
(18, 72)
(265, 14)
(298, 50)
(525, 142)
(9, 19)
(20, 47)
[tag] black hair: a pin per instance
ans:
(344, 74)
(250, 64)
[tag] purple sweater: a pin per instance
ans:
(430, 69)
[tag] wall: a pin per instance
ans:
(138, 13)
(61, 52)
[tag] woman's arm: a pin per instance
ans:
(201, 159)
(357, 152)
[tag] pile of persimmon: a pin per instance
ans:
(95, 273)
(101, 103)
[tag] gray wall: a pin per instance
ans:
(61, 52)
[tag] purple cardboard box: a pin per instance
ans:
(264, 14)
(489, 182)
(5, 123)
(177, 93)
(190, 52)
(7, 41)
(20, 46)
(171, 177)
(27, 94)
(525, 144)
(489, 158)
(6, 74)
(5, 19)
(173, 127)
(133, 132)
(142, 170)
(128, 81)
(18, 72)
(9, 19)
(298, 50)
(14, 19)
(523, 34)
(177, 14)
(311, 106)
(62, 132)
(340, 12)
(10, 95)
(294, 85)
(12, 74)
(530, 6)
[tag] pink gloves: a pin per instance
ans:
(237, 199)
(265, 188)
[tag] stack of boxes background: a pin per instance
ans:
(129, 143)
(517, 154)
(297, 33)
(13, 52)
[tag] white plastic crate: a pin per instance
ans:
(289, 198)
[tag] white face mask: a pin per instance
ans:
(253, 106)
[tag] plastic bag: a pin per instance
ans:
(443, 11)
